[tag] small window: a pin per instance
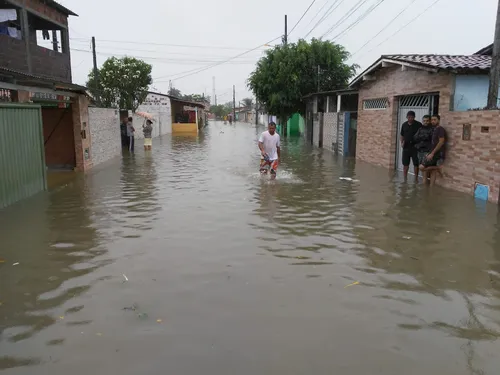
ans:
(380, 103)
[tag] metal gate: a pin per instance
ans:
(421, 105)
(22, 159)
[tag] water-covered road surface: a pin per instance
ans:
(229, 273)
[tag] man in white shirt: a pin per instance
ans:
(269, 146)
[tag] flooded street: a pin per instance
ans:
(185, 261)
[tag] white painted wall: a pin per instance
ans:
(160, 107)
(104, 124)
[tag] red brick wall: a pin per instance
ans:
(467, 162)
(44, 62)
(58, 135)
(47, 11)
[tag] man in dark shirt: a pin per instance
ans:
(435, 159)
(408, 131)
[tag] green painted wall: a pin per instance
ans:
(22, 158)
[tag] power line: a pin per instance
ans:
(407, 24)
(163, 44)
(327, 14)
(108, 49)
(359, 19)
(385, 27)
(316, 15)
(303, 15)
(225, 61)
(163, 59)
(344, 18)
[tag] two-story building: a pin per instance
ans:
(43, 116)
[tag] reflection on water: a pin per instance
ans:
(185, 260)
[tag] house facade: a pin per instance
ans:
(331, 120)
(454, 87)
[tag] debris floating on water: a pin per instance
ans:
(125, 277)
(354, 283)
(348, 179)
(16, 264)
(414, 258)
(407, 237)
(158, 320)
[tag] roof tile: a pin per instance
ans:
(447, 62)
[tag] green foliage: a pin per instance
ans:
(175, 92)
(247, 102)
(289, 72)
(123, 83)
(221, 110)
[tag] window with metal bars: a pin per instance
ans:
(422, 101)
(372, 104)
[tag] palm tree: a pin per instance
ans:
(247, 102)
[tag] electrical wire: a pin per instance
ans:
(385, 27)
(344, 18)
(153, 51)
(358, 20)
(316, 15)
(405, 25)
(225, 61)
(327, 14)
(166, 60)
(303, 15)
(162, 44)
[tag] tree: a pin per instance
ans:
(247, 102)
(123, 83)
(220, 110)
(174, 92)
(289, 72)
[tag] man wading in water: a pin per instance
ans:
(269, 146)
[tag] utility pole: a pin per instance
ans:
(319, 71)
(285, 37)
(213, 91)
(234, 103)
(256, 112)
(96, 72)
(495, 65)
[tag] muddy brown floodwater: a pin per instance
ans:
(229, 273)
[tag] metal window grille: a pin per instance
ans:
(379, 103)
(415, 101)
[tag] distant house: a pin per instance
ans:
(430, 84)
(331, 118)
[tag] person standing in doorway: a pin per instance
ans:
(269, 146)
(130, 134)
(147, 129)
(423, 144)
(408, 131)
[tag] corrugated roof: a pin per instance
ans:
(447, 62)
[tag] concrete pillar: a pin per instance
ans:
(81, 130)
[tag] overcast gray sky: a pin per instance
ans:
(213, 31)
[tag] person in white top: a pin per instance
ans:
(269, 146)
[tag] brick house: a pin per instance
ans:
(35, 68)
(455, 87)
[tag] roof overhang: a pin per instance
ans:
(14, 80)
(385, 62)
(347, 91)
